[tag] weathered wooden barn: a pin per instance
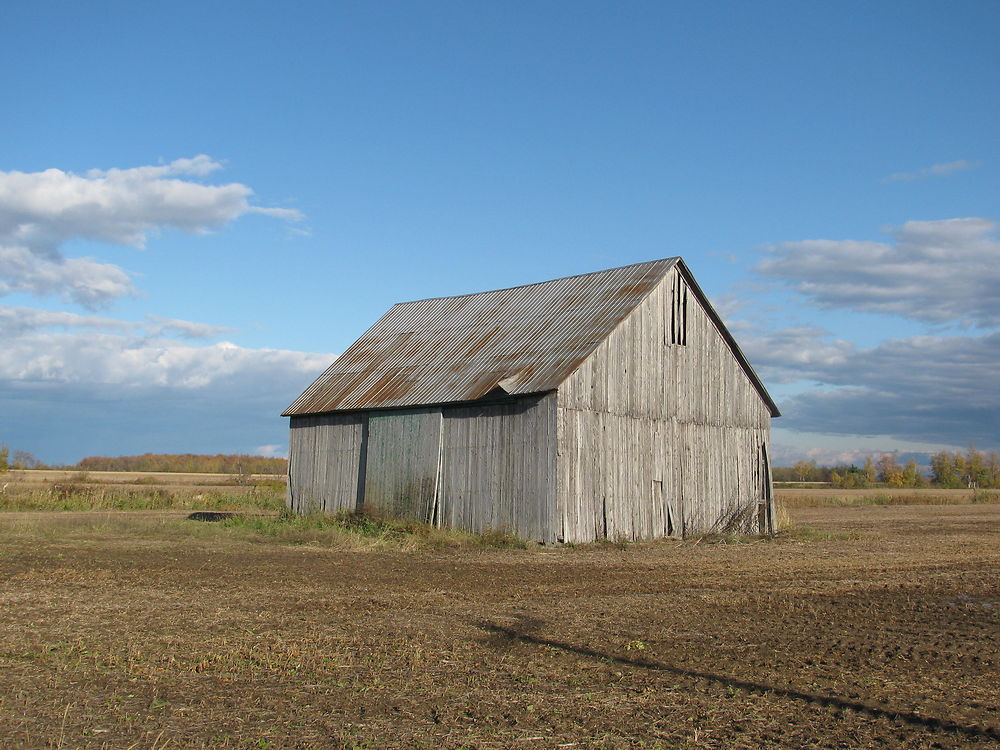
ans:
(609, 405)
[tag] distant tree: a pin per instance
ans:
(4, 453)
(912, 476)
(889, 470)
(944, 473)
(868, 474)
(993, 469)
(186, 462)
(24, 460)
(805, 470)
(975, 474)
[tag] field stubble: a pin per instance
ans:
(878, 628)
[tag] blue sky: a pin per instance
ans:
(202, 203)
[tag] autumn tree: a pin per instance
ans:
(805, 471)
(868, 474)
(889, 470)
(912, 476)
(975, 474)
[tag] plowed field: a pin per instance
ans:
(873, 627)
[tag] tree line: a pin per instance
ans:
(160, 462)
(948, 469)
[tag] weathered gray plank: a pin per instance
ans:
(402, 466)
(498, 468)
(323, 466)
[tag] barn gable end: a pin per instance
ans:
(669, 403)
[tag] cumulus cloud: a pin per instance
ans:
(935, 170)
(81, 280)
(935, 271)
(923, 388)
(135, 361)
(41, 211)
(796, 353)
(72, 385)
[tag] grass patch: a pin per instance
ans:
(353, 531)
(348, 532)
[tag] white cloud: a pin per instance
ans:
(271, 451)
(138, 362)
(795, 353)
(935, 389)
(16, 321)
(72, 385)
(81, 280)
(935, 170)
(40, 211)
(936, 271)
(184, 328)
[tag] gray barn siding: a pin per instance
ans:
(402, 463)
(324, 458)
(473, 467)
(644, 417)
(498, 468)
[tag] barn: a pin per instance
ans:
(610, 405)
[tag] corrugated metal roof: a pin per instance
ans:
(526, 339)
(460, 348)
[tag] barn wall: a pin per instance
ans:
(324, 454)
(658, 437)
(498, 468)
(473, 467)
(402, 463)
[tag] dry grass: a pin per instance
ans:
(60, 476)
(118, 490)
(816, 497)
(77, 498)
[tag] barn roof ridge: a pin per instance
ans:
(674, 258)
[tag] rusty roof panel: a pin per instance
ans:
(449, 349)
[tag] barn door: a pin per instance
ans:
(402, 465)
(673, 512)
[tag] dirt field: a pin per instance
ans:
(873, 627)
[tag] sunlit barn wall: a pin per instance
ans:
(660, 438)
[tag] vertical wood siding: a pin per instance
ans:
(323, 461)
(401, 471)
(658, 437)
(498, 468)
